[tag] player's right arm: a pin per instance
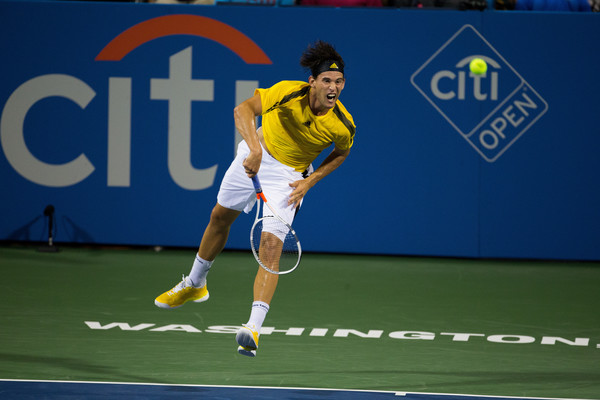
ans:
(245, 121)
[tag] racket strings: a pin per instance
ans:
(275, 245)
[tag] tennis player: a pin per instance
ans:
(299, 121)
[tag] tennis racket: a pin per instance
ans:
(274, 243)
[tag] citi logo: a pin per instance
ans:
(490, 111)
(461, 82)
(175, 93)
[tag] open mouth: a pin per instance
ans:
(331, 96)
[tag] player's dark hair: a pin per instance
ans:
(319, 56)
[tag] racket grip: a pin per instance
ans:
(256, 183)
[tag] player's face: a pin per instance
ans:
(326, 89)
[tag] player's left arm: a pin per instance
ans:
(331, 162)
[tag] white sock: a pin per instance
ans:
(199, 271)
(258, 315)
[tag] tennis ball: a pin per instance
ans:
(478, 66)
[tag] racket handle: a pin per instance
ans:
(256, 183)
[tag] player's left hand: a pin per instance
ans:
(300, 189)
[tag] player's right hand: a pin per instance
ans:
(252, 164)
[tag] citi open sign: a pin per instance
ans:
(491, 111)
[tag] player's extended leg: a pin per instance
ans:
(193, 287)
(265, 284)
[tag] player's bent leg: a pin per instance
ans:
(213, 242)
(183, 292)
(216, 233)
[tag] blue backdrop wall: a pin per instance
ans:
(120, 115)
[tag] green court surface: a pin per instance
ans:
(503, 328)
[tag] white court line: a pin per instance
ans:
(396, 393)
(200, 386)
(486, 396)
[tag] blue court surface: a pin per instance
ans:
(59, 390)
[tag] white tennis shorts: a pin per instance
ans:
(237, 191)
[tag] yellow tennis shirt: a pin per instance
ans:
(294, 135)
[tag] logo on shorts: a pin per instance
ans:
(491, 111)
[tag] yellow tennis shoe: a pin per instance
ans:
(182, 292)
(247, 338)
